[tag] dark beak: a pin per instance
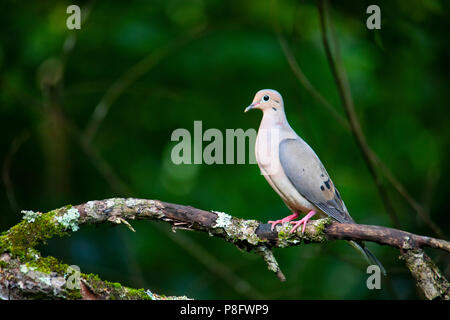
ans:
(250, 107)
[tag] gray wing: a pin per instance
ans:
(305, 171)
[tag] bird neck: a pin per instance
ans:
(273, 119)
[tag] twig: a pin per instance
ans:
(304, 81)
(343, 86)
(272, 263)
(421, 211)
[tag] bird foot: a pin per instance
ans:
(303, 221)
(286, 219)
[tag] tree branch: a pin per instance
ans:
(251, 235)
(46, 278)
(428, 276)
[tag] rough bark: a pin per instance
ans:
(428, 276)
(20, 262)
(47, 278)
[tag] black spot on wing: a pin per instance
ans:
(313, 187)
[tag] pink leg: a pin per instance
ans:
(286, 219)
(302, 221)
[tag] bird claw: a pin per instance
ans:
(274, 223)
(298, 224)
(303, 221)
(285, 219)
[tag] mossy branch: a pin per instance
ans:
(17, 244)
(35, 277)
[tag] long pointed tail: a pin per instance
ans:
(367, 254)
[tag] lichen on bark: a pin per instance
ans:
(25, 274)
(19, 259)
(428, 276)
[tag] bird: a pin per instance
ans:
(295, 172)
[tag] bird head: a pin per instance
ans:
(266, 99)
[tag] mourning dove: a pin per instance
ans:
(294, 170)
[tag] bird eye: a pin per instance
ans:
(266, 98)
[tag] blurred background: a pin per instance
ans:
(88, 114)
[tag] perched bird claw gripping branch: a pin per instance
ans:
(295, 172)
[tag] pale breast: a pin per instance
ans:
(266, 151)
